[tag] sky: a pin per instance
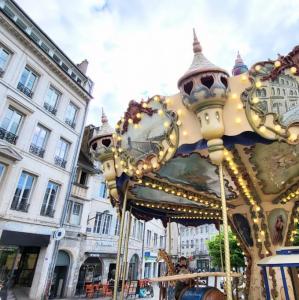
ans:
(140, 48)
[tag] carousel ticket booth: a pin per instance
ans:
(222, 150)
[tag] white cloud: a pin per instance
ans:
(139, 48)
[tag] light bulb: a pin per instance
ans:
(277, 64)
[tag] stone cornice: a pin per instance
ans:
(43, 57)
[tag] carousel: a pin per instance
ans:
(223, 150)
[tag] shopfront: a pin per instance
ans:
(19, 253)
(90, 272)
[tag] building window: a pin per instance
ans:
(192, 243)
(27, 82)
(10, 125)
(155, 239)
(140, 230)
(102, 223)
(82, 177)
(148, 238)
(207, 229)
(23, 192)
(201, 229)
(103, 190)
(52, 99)
(134, 228)
(39, 141)
(161, 241)
(187, 244)
(71, 113)
(201, 245)
(117, 227)
(2, 170)
(74, 212)
(4, 58)
(49, 200)
(61, 153)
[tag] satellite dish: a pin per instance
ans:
(59, 234)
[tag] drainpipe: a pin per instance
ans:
(142, 252)
(64, 210)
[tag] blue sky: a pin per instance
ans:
(138, 48)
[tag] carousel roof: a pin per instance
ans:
(160, 152)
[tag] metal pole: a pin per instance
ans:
(225, 234)
(221, 256)
(120, 240)
(125, 264)
(268, 297)
(284, 281)
(169, 238)
(142, 251)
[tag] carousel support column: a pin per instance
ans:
(225, 234)
(125, 265)
(284, 281)
(121, 233)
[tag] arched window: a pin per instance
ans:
(273, 91)
(263, 93)
(278, 91)
(295, 93)
(282, 81)
(291, 93)
(284, 92)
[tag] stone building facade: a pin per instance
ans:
(44, 98)
(90, 243)
(194, 245)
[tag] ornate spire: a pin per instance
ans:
(196, 45)
(239, 67)
(200, 63)
(104, 117)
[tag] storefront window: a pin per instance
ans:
(7, 260)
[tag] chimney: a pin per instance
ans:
(83, 66)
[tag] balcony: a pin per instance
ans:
(50, 108)
(60, 162)
(79, 190)
(70, 123)
(47, 211)
(8, 136)
(21, 87)
(37, 150)
(19, 206)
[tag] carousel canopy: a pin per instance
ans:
(163, 148)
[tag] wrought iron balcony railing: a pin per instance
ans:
(60, 162)
(50, 108)
(70, 123)
(20, 206)
(21, 87)
(37, 150)
(8, 136)
(47, 211)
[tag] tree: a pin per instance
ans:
(236, 256)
